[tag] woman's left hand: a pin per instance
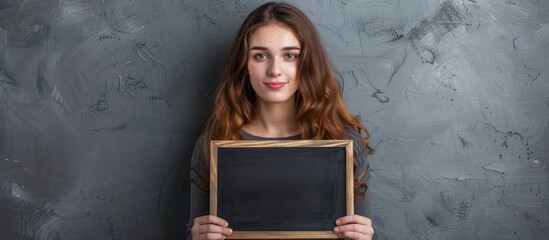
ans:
(354, 227)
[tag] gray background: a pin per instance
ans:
(101, 102)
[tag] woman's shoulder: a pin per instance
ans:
(199, 168)
(358, 140)
(199, 142)
(198, 153)
(353, 133)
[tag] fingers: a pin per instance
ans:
(211, 219)
(210, 227)
(354, 227)
(210, 232)
(353, 219)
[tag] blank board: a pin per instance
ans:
(281, 189)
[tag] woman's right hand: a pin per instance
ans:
(210, 227)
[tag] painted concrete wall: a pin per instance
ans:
(101, 102)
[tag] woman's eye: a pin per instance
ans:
(291, 56)
(260, 56)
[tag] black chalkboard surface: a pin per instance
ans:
(282, 189)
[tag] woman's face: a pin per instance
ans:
(273, 59)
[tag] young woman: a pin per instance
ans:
(277, 84)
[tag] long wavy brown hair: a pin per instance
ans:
(320, 111)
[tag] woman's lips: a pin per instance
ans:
(275, 85)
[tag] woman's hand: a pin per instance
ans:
(354, 227)
(210, 227)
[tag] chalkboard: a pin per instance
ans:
(281, 189)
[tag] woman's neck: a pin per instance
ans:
(274, 120)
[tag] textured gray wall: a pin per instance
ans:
(101, 102)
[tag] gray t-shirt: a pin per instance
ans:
(200, 194)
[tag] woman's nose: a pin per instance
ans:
(274, 68)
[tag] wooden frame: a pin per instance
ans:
(347, 145)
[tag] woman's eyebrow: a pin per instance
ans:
(259, 48)
(267, 49)
(291, 48)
